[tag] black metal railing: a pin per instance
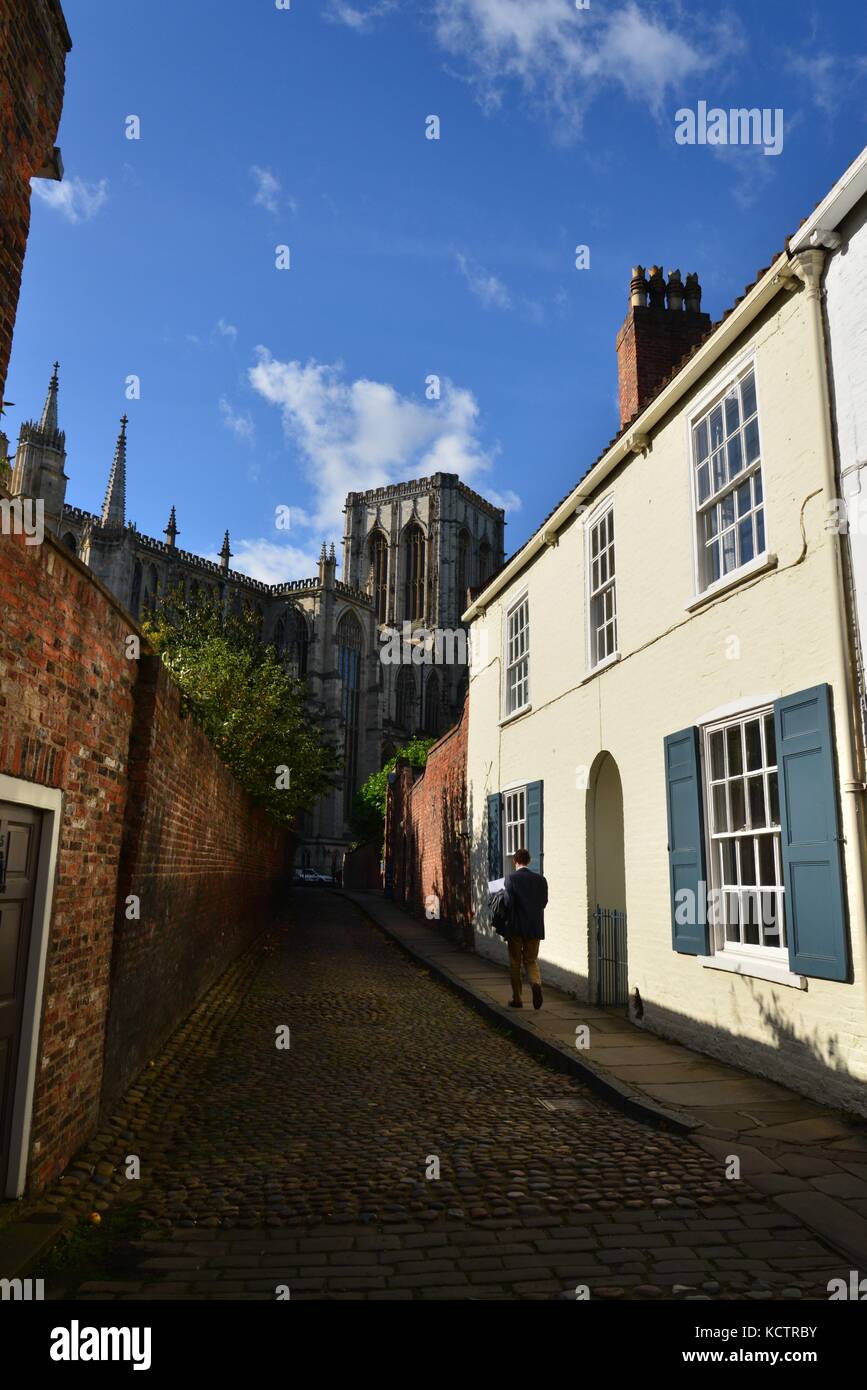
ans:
(611, 973)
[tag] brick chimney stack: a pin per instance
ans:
(663, 324)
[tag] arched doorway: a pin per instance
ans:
(606, 883)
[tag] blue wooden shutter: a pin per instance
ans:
(495, 842)
(686, 843)
(534, 825)
(810, 824)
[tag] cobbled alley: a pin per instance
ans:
(309, 1170)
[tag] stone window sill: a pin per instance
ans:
(517, 714)
(756, 969)
(761, 565)
(597, 670)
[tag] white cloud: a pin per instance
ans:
(819, 71)
(562, 303)
(494, 293)
(269, 191)
(358, 16)
(272, 563)
(355, 435)
(508, 500)
(226, 330)
(562, 57)
(240, 425)
(830, 78)
(73, 198)
(751, 174)
(487, 288)
(298, 517)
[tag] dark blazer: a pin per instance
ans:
(528, 895)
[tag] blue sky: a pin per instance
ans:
(264, 388)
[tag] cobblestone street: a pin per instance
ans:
(306, 1167)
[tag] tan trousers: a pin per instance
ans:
(524, 950)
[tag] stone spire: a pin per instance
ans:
(40, 459)
(114, 506)
(327, 566)
(171, 532)
(48, 419)
(225, 553)
(46, 433)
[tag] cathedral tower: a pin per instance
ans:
(416, 548)
(40, 459)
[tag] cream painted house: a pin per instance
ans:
(668, 710)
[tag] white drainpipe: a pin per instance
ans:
(807, 266)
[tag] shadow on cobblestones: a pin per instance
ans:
(253, 1156)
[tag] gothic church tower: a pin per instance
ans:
(417, 548)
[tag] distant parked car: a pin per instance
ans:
(311, 878)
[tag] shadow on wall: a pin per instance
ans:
(486, 941)
(478, 877)
(814, 1062)
(455, 897)
(426, 837)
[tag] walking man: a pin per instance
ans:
(527, 894)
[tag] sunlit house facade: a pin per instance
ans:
(672, 716)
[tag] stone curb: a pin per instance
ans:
(23, 1242)
(621, 1095)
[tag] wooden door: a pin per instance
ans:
(20, 828)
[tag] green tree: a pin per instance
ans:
(251, 709)
(368, 804)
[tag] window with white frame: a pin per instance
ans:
(518, 656)
(728, 483)
(515, 818)
(743, 814)
(602, 589)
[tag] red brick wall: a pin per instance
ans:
(34, 42)
(362, 867)
(66, 703)
(207, 867)
(426, 851)
(148, 808)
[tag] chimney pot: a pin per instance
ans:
(638, 287)
(656, 288)
(693, 293)
(675, 291)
